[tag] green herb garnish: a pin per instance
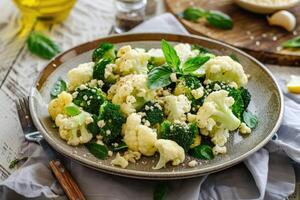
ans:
(42, 46)
(215, 18)
(99, 151)
(194, 64)
(202, 152)
(72, 110)
(170, 54)
(159, 77)
(292, 43)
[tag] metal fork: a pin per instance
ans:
(32, 134)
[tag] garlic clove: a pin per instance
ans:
(284, 19)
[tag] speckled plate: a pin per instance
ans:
(267, 104)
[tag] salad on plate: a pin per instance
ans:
(175, 101)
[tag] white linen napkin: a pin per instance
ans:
(267, 174)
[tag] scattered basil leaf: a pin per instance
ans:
(292, 43)
(99, 151)
(16, 161)
(42, 46)
(193, 64)
(219, 20)
(170, 54)
(193, 14)
(71, 110)
(59, 86)
(202, 151)
(54, 126)
(250, 120)
(159, 77)
(121, 147)
(160, 191)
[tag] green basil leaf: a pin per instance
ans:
(160, 191)
(42, 46)
(219, 20)
(193, 64)
(159, 77)
(71, 110)
(99, 151)
(193, 14)
(234, 58)
(170, 54)
(250, 120)
(202, 151)
(59, 86)
(292, 43)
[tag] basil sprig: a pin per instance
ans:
(250, 119)
(194, 64)
(202, 152)
(42, 46)
(170, 54)
(59, 86)
(215, 18)
(159, 77)
(292, 43)
(99, 151)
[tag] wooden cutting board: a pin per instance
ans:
(251, 32)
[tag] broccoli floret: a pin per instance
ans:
(203, 51)
(154, 113)
(186, 84)
(93, 127)
(246, 96)
(104, 50)
(113, 120)
(182, 133)
(99, 69)
(90, 99)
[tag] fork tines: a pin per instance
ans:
(24, 115)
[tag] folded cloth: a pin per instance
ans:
(267, 174)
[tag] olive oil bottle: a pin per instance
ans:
(43, 11)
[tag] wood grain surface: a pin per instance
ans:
(251, 32)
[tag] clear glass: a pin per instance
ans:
(129, 14)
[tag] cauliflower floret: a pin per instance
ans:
(132, 156)
(198, 93)
(80, 75)
(169, 151)
(131, 61)
(131, 92)
(119, 161)
(219, 150)
(184, 51)
(176, 107)
(244, 129)
(219, 136)
(216, 111)
(156, 56)
(224, 68)
(71, 127)
(56, 106)
(139, 137)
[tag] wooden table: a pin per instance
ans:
(18, 68)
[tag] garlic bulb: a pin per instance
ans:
(284, 19)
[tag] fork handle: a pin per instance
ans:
(66, 181)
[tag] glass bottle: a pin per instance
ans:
(129, 14)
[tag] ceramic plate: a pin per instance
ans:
(267, 104)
